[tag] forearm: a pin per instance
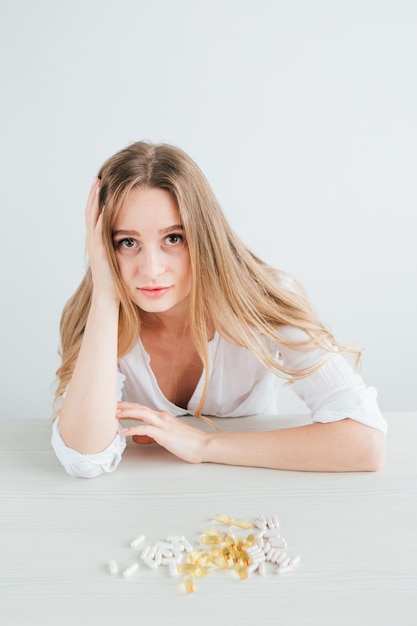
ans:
(341, 446)
(87, 418)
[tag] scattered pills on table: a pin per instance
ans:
(243, 555)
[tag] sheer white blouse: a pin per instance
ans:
(239, 385)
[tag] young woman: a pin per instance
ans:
(175, 316)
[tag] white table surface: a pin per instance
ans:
(356, 534)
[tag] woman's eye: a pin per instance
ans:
(173, 240)
(127, 244)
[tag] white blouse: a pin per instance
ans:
(239, 385)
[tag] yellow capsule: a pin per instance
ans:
(210, 539)
(241, 571)
(212, 532)
(200, 572)
(221, 518)
(239, 543)
(226, 552)
(250, 540)
(189, 584)
(229, 540)
(235, 555)
(186, 568)
(219, 562)
(242, 523)
(196, 555)
(245, 558)
(203, 559)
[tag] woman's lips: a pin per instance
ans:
(154, 292)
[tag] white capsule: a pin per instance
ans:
(262, 519)
(187, 546)
(260, 525)
(173, 567)
(176, 539)
(151, 563)
(137, 541)
(152, 552)
(113, 569)
(252, 568)
(266, 547)
(168, 545)
(145, 552)
(261, 568)
(270, 522)
(276, 521)
(177, 553)
(277, 542)
(285, 562)
(295, 561)
(158, 558)
(271, 532)
(285, 569)
(131, 569)
(269, 554)
(167, 554)
(282, 557)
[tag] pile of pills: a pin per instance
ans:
(219, 550)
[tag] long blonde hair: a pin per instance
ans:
(233, 292)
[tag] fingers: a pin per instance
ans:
(92, 208)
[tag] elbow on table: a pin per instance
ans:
(373, 450)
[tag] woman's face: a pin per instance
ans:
(151, 250)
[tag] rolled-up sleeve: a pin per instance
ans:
(87, 465)
(90, 465)
(334, 391)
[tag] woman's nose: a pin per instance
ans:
(151, 262)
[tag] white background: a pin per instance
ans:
(301, 113)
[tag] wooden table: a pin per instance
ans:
(356, 534)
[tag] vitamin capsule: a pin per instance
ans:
(189, 584)
(173, 567)
(221, 518)
(194, 556)
(229, 540)
(164, 545)
(176, 539)
(295, 561)
(219, 561)
(281, 558)
(242, 523)
(201, 572)
(284, 570)
(210, 540)
(186, 568)
(239, 543)
(245, 558)
(137, 541)
(113, 567)
(261, 568)
(250, 540)
(131, 569)
(241, 571)
(150, 563)
(212, 532)
(145, 552)
(187, 546)
(275, 520)
(260, 525)
(270, 522)
(252, 568)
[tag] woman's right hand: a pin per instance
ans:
(103, 282)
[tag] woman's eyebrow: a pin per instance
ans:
(135, 233)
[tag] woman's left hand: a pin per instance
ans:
(168, 431)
